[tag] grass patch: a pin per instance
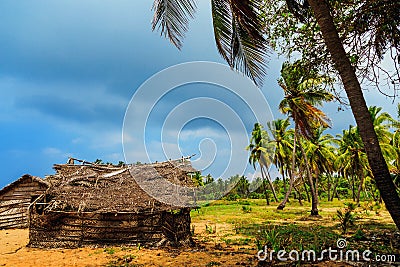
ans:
(255, 224)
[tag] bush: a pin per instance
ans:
(255, 195)
(246, 209)
(232, 197)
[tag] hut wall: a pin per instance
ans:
(15, 201)
(55, 229)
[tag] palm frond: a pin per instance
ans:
(313, 82)
(172, 17)
(239, 37)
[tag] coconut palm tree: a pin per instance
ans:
(281, 138)
(352, 160)
(320, 153)
(261, 152)
(382, 122)
(303, 92)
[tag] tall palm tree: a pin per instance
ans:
(239, 38)
(352, 160)
(320, 153)
(303, 92)
(281, 138)
(261, 152)
(382, 122)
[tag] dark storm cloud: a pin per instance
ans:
(73, 109)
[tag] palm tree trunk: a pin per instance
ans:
(305, 188)
(291, 176)
(329, 186)
(353, 187)
(314, 196)
(316, 185)
(335, 184)
(299, 194)
(270, 183)
(359, 107)
(360, 186)
(265, 192)
(283, 179)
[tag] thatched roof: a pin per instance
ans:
(110, 188)
(23, 178)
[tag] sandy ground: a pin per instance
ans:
(13, 252)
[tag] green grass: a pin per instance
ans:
(255, 211)
(255, 224)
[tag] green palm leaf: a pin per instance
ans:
(239, 36)
(172, 18)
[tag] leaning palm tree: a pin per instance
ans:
(261, 152)
(303, 92)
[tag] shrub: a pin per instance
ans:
(246, 209)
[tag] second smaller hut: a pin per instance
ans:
(15, 199)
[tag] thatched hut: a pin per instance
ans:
(15, 199)
(91, 205)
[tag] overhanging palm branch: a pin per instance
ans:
(238, 31)
(172, 17)
(239, 37)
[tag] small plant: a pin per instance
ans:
(213, 263)
(259, 244)
(347, 216)
(210, 229)
(109, 251)
(246, 209)
(271, 236)
(139, 246)
(377, 208)
(237, 227)
(359, 235)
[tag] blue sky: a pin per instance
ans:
(69, 68)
